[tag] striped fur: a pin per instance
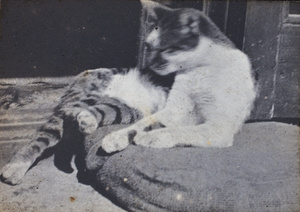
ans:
(90, 103)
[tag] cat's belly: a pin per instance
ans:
(136, 92)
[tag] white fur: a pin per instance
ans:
(13, 173)
(153, 38)
(210, 99)
(137, 92)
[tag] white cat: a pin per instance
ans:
(213, 91)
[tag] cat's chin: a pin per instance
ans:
(163, 70)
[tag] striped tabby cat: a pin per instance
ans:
(96, 98)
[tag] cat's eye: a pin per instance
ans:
(151, 20)
(152, 24)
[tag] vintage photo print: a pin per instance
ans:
(149, 105)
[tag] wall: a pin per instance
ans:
(273, 45)
(61, 38)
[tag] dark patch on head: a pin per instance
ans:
(175, 35)
(171, 28)
(179, 30)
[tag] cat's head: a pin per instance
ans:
(174, 31)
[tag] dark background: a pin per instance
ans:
(65, 37)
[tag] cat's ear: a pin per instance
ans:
(149, 6)
(190, 23)
(154, 9)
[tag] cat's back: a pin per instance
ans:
(220, 74)
(220, 65)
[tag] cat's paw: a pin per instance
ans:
(87, 122)
(115, 141)
(154, 140)
(13, 173)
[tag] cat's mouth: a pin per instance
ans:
(159, 68)
(156, 61)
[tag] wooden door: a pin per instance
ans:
(272, 41)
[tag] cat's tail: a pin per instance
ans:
(47, 136)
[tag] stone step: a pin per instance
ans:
(25, 104)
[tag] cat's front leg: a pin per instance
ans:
(160, 138)
(203, 135)
(119, 140)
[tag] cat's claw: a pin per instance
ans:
(87, 122)
(116, 141)
(13, 173)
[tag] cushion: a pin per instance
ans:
(259, 172)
